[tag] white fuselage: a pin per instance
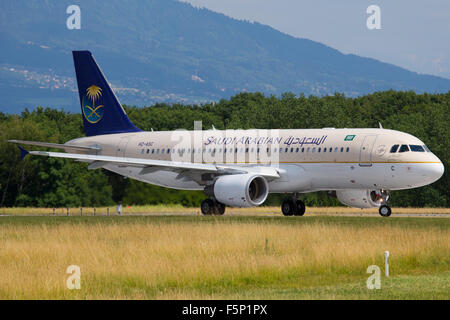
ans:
(306, 159)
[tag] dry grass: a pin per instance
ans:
(178, 209)
(214, 259)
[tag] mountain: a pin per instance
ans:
(169, 51)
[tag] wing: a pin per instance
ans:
(186, 169)
(54, 145)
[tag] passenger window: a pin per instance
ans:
(153, 150)
(331, 149)
(404, 148)
(313, 149)
(336, 149)
(296, 150)
(303, 149)
(394, 148)
(416, 148)
(348, 149)
(319, 149)
(342, 149)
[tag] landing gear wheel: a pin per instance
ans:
(299, 208)
(207, 207)
(220, 208)
(288, 207)
(385, 211)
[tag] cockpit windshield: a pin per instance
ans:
(416, 148)
(394, 148)
(411, 147)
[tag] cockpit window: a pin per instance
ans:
(394, 148)
(416, 148)
(404, 148)
(426, 148)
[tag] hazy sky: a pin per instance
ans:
(414, 34)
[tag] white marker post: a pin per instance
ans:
(386, 263)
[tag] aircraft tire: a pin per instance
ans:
(207, 207)
(288, 207)
(220, 208)
(300, 208)
(385, 211)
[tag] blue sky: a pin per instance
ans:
(414, 34)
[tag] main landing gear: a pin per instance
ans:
(293, 207)
(384, 210)
(212, 206)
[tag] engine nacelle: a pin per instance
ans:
(363, 198)
(240, 190)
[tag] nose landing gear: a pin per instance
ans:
(384, 210)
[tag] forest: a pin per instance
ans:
(50, 182)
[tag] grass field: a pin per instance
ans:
(228, 257)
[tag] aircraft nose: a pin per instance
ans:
(435, 171)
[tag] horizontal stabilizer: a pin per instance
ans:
(23, 152)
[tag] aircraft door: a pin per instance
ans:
(122, 147)
(365, 155)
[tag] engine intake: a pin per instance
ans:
(240, 190)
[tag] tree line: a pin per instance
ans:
(51, 182)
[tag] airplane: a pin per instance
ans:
(239, 168)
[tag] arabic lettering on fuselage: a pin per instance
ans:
(247, 140)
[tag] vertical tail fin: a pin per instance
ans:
(102, 112)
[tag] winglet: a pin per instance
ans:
(23, 152)
(379, 123)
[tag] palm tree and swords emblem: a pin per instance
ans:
(92, 113)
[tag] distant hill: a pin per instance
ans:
(170, 51)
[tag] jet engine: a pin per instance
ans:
(363, 198)
(239, 190)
